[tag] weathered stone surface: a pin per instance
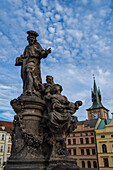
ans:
(43, 117)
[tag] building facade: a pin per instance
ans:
(104, 138)
(81, 143)
(5, 142)
(2, 146)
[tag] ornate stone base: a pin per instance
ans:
(69, 163)
(38, 165)
(25, 165)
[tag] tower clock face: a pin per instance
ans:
(95, 115)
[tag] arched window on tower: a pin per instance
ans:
(89, 164)
(83, 164)
(94, 164)
(104, 148)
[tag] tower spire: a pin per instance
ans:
(96, 96)
(97, 110)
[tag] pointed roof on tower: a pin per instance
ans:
(96, 97)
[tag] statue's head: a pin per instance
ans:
(57, 89)
(49, 79)
(32, 37)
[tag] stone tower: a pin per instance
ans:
(97, 110)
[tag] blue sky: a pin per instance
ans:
(80, 33)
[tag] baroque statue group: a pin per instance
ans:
(44, 117)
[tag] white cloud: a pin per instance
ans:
(1, 33)
(5, 87)
(51, 59)
(46, 42)
(44, 2)
(7, 115)
(85, 1)
(59, 8)
(103, 12)
(58, 40)
(38, 12)
(51, 29)
(75, 33)
(89, 17)
(95, 37)
(58, 17)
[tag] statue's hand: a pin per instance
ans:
(19, 61)
(48, 50)
(77, 104)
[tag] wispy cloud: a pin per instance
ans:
(6, 116)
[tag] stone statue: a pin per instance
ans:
(48, 85)
(44, 117)
(59, 108)
(30, 62)
(60, 122)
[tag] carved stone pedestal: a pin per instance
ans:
(27, 135)
(69, 163)
(38, 165)
(29, 151)
(25, 165)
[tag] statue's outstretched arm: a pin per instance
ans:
(78, 104)
(44, 53)
(19, 61)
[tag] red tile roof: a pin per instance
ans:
(7, 125)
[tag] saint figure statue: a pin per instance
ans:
(30, 63)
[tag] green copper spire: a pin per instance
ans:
(96, 97)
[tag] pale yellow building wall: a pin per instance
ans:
(2, 143)
(8, 144)
(108, 141)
